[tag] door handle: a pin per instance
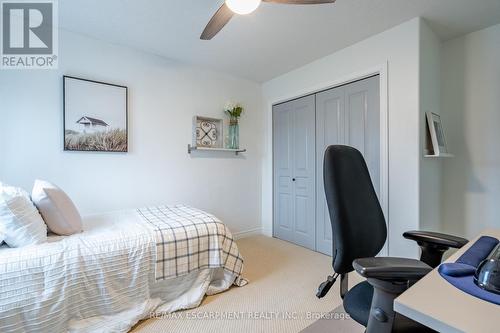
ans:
(293, 179)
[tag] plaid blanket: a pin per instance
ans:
(188, 239)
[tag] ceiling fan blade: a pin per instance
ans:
(300, 2)
(217, 22)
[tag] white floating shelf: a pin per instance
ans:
(235, 151)
(439, 156)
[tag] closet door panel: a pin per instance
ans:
(303, 180)
(301, 218)
(356, 119)
(282, 160)
(363, 123)
(294, 171)
(329, 131)
(347, 115)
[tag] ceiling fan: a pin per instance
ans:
(243, 7)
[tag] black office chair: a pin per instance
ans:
(359, 232)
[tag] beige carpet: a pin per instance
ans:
(279, 298)
(331, 322)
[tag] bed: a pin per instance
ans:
(125, 266)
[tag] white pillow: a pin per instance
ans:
(2, 233)
(57, 209)
(21, 223)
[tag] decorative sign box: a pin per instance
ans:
(208, 132)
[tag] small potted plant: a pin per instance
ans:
(234, 112)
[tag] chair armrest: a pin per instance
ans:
(389, 277)
(391, 268)
(436, 238)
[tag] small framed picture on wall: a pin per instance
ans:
(95, 116)
(436, 133)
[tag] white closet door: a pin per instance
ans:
(302, 129)
(362, 123)
(294, 171)
(283, 119)
(304, 158)
(329, 131)
(348, 115)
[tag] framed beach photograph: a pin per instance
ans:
(436, 132)
(95, 116)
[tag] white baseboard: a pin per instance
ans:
(267, 232)
(248, 233)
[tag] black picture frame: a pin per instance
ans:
(65, 146)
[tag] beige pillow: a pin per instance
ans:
(57, 209)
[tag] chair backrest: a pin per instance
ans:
(358, 223)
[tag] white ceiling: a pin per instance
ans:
(271, 41)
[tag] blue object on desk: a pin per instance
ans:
(461, 273)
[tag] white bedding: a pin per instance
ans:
(102, 280)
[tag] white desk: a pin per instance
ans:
(437, 304)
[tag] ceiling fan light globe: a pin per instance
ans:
(243, 7)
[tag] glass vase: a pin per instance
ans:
(234, 134)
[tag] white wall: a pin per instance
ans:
(163, 97)
(471, 114)
(399, 48)
(3, 128)
(430, 100)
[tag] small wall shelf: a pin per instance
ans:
(235, 151)
(439, 156)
